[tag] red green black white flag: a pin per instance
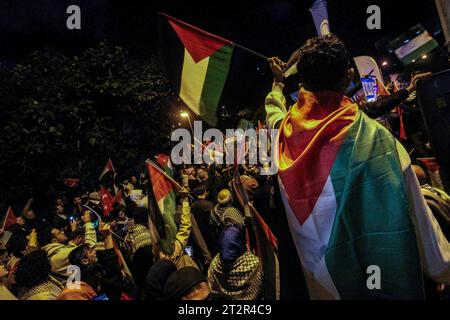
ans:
(108, 168)
(197, 63)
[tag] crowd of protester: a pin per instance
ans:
(115, 255)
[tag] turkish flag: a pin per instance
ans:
(72, 182)
(107, 201)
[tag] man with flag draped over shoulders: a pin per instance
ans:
(351, 198)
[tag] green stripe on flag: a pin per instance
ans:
(216, 76)
(419, 52)
(372, 224)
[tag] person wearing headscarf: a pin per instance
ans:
(249, 184)
(235, 272)
(157, 277)
(233, 217)
(224, 201)
(187, 283)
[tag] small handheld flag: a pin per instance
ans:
(108, 168)
(9, 219)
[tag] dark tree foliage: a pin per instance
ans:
(65, 116)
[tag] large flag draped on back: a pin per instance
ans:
(320, 16)
(164, 197)
(349, 210)
(198, 65)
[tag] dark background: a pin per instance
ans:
(267, 26)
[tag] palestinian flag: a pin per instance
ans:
(347, 201)
(197, 63)
(164, 196)
(109, 168)
(8, 220)
(413, 45)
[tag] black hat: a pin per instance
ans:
(157, 278)
(181, 282)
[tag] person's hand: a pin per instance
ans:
(416, 78)
(86, 217)
(184, 193)
(104, 229)
(277, 67)
(3, 271)
(73, 225)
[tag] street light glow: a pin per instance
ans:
(385, 63)
(184, 114)
(424, 56)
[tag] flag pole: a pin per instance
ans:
(198, 29)
(251, 51)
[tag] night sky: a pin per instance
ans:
(267, 26)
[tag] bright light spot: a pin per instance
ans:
(424, 56)
(406, 41)
(385, 63)
(414, 60)
(184, 114)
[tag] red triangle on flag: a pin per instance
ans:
(108, 167)
(9, 219)
(160, 184)
(382, 91)
(163, 160)
(199, 43)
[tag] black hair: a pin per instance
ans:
(140, 215)
(33, 269)
(199, 190)
(44, 235)
(79, 232)
(17, 244)
(78, 254)
(323, 63)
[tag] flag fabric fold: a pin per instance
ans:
(197, 63)
(107, 201)
(319, 13)
(350, 209)
(165, 198)
(8, 220)
(107, 168)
